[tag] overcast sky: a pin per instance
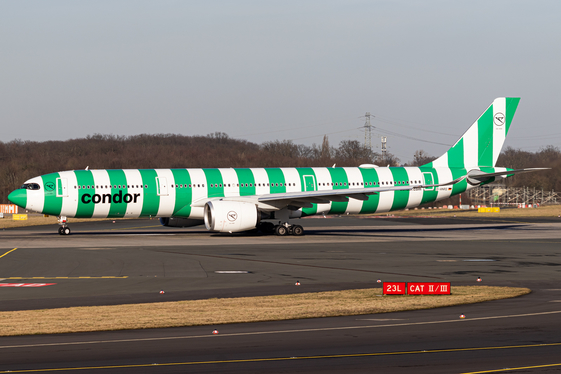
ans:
(268, 70)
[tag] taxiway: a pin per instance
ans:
(131, 261)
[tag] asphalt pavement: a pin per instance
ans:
(130, 261)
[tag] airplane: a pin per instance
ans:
(241, 199)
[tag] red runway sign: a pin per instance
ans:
(416, 288)
(428, 288)
(394, 288)
(25, 284)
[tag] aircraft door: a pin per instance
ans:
(428, 179)
(61, 187)
(309, 183)
(162, 185)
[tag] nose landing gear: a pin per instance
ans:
(63, 229)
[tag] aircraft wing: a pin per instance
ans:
(305, 199)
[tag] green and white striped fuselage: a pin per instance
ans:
(175, 192)
(233, 200)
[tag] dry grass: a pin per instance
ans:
(544, 211)
(247, 309)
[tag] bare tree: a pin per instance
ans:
(421, 158)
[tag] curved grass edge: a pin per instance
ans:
(237, 310)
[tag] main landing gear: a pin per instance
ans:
(282, 229)
(288, 229)
(63, 229)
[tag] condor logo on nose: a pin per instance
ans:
(116, 198)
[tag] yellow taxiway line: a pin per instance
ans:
(273, 359)
(10, 251)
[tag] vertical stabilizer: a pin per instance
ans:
(481, 144)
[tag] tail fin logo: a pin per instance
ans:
(499, 119)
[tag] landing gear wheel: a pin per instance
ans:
(281, 230)
(66, 230)
(297, 230)
(60, 230)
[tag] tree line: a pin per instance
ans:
(22, 160)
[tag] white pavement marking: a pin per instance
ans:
(379, 319)
(277, 331)
(232, 272)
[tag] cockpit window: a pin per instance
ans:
(31, 186)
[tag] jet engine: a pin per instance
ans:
(180, 222)
(230, 216)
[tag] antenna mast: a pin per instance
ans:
(384, 150)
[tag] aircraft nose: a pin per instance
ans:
(18, 197)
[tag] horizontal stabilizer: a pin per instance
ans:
(475, 177)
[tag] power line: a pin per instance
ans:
(394, 122)
(282, 129)
(329, 133)
(410, 137)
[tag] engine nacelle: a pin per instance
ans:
(230, 216)
(180, 222)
